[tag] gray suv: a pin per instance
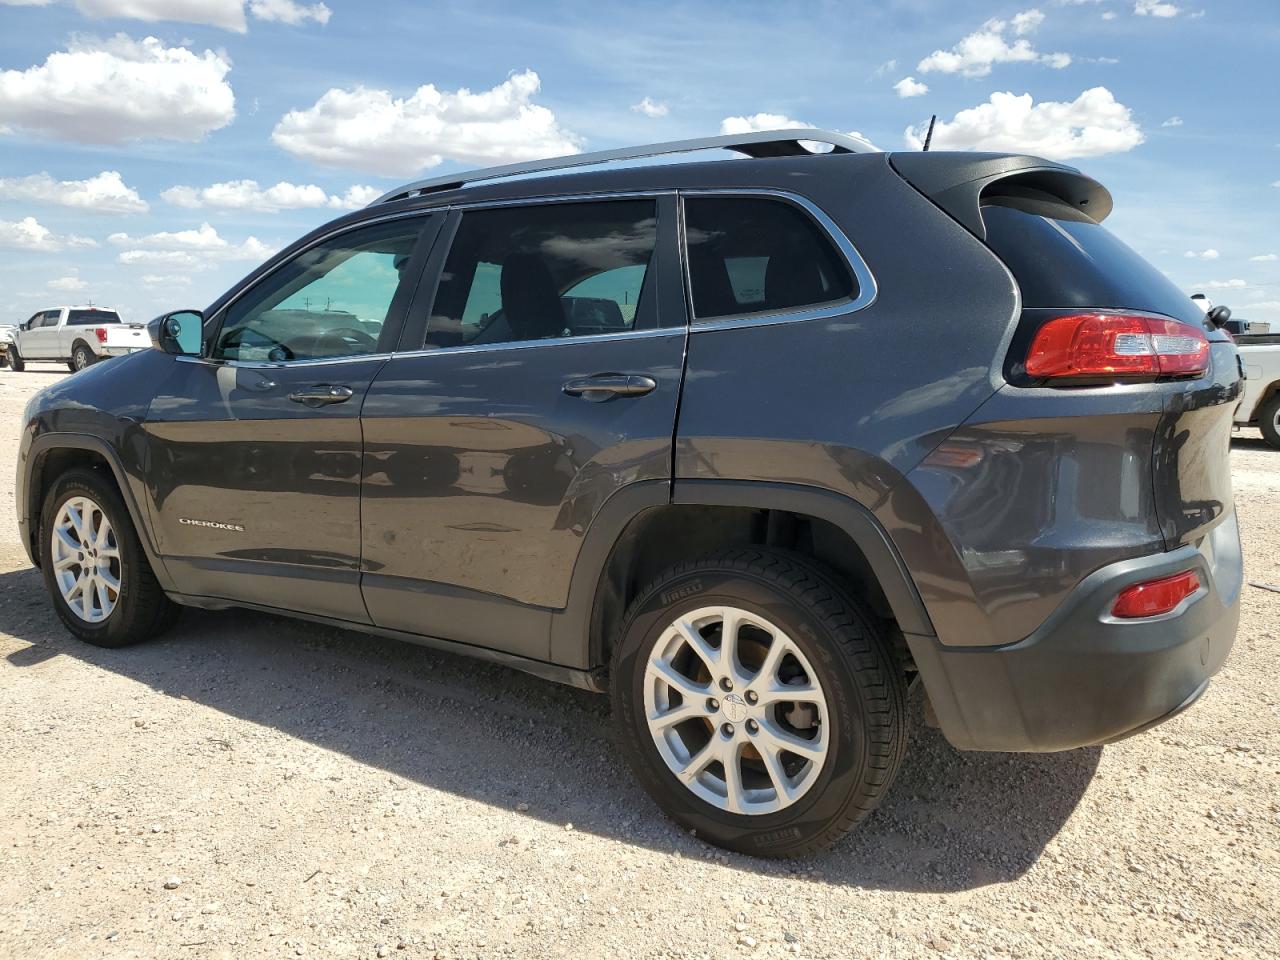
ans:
(761, 447)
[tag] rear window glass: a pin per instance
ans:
(757, 255)
(84, 318)
(1061, 258)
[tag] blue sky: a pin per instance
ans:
(127, 129)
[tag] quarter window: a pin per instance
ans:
(752, 255)
(546, 271)
(332, 300)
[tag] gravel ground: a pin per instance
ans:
(251, 786)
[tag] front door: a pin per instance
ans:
(40, 340)
(255, 447)
(547, 381)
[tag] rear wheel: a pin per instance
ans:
(81, 357)
(758, 703)
(94, 566)
(1269, 421)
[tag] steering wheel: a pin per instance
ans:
(249, 337)
(348, 337)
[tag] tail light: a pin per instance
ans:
(101, 334)
(1155, 597)
(1093, 345)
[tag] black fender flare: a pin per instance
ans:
(571, 641)
(25, 494)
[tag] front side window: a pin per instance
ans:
(330, 301)
(545, 271)
(759, 255)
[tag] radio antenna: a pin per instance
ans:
(928, 137)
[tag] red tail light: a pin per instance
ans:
(1155, 597)
(101, 334)
(1109, 345)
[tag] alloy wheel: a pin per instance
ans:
(86, 559)
(736, 710)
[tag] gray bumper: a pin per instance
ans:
(1085, 677)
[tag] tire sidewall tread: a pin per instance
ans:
(865, 693)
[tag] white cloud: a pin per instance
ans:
(366, 129)
(248, 195)
(1265, 258)
(1172, 122)
(104, 193)
(1235, 283)
(889, 66)
(67, 283)
(1263, 305)
(75, 240)
(1155, 8)
(759, 121)
(160, 280)
(975, 55)
(1276, 183)
(1210, 254)
(1091, 125)
(28, 234)
(1027, 21)
(112, 91)
(228, 14)
(910, 87)
(651, 108)
(187, 248)
(286, 11)
(1109, 15)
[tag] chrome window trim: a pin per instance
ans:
(221, 315)
(546, 198)
(278, 364)
(547, 342)
(867, 288)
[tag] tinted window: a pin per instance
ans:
(545, 271)
(87, 318)
(50, 318)
(757, 255)
(332, 300)
(1061, 258)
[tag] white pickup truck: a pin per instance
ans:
(1260, 405)
(76, 336)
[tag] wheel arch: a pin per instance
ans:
(645, 527)
(50, 456)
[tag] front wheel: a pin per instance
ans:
(1269, 421)
(758, 703)
(81, 357)
(15, 359)
(94, 567)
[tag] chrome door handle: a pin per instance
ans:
(321, 396)
(607, 385)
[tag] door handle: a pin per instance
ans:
(607, 385)
(321, 396)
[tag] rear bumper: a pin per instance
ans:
(1084, 677)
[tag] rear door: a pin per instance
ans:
(547, 379)
(255, 446)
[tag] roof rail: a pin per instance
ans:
(767, 143)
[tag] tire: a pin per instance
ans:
(861, 719)
(1269, 421)
(81, 357)
(140, 610)
(15, 359)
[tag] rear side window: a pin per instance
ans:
(1062, 258)
(87, 318)
(545, 272)
(751, 255)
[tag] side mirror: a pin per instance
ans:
(179, 333)
(1218, 316)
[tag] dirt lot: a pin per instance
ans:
(255, 787)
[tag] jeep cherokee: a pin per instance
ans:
(756, 446)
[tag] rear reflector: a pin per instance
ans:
(1155, 597)
(101, 334)
(1110, 345)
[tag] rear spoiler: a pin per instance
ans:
(957, 182)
